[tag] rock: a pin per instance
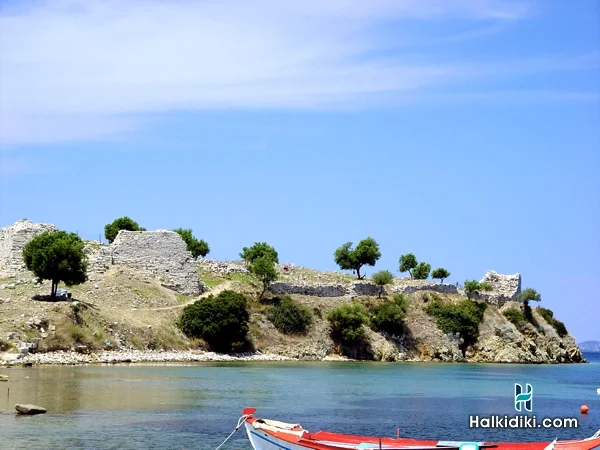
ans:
(29, 409)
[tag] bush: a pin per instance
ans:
(474, 286)
(347, 323)
(382, 278)
(515, 316)
(559, 326)
(462, 318)
(289, 317)
(122, 223)
(389, 316)
(222, 321)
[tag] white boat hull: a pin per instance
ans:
(263, 441)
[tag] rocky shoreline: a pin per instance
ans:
(139, 356)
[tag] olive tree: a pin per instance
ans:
(407, 263)
(382, 278)
(195, 246)
(122, 223)
(421, 272)
(366, 253)
(258, 250)
(440, 274)
(56, 256)
(264, 269)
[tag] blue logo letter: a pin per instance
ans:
(523, 398)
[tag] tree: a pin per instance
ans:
(263, 268)
(366, 253)
(440, 274)
(222, 321)
(529, 294)
(195, 246)
(407, 263)
(473, 287)
(56, 256)
(382, 278)
(421, 272)
(258, 250)
(122, 223)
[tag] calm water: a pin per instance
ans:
(171, 406)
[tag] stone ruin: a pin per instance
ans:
(12, 241)
(158, 253)
(505, 288)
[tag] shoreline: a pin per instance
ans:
(72, 358)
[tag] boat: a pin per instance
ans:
(598, 390)
(267, 434)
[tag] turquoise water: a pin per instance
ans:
(177, 406)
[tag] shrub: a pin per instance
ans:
(289, 317)
(390, 316)
(122, 223)
(56, 256)
(516, 316)
(222, 321)
(194, 246)
(382, 278)
(347, 322)
(559, 326)
(366, 253)
(462, 318)
(473, 286)
(421, 272)
(407, 263)
(440, 274)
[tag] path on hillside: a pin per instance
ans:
(214, 291)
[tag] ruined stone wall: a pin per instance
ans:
(221, 267)
(411, 286)
(12, 240)
(161, 253)
(505, 288)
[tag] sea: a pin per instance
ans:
(196, 406)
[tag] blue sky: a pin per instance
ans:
(465, 132)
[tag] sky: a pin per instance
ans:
(465, 132)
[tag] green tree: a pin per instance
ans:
(222, 321)
(57, 256)
(529, 294)
(258, 250)
(407, 263)
(195, 246)
(421, 272)
(347, 322)
(366, 253)
(440, 274)
(475, 287)
(390, 316)
(122, 223)
(264, 269)
(382, 278)
(289, 317)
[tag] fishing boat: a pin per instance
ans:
(266, 434)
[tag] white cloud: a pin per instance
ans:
(83, 69)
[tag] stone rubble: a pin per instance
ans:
(221, 267)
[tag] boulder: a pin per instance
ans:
(29, 410)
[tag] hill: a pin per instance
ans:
(589, 346)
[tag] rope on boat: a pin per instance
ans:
(241, 420)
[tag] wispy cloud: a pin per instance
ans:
(84, 69)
